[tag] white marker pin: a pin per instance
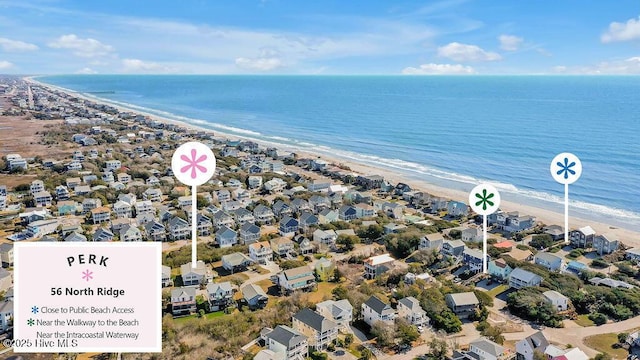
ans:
(566, 169)
(484, 200)
(193, 164)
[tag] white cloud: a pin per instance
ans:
(86, 71)
(510, 42)
(5, 65)
(259, 64)
(630, 66)
(82, 47)
(464, 52)
(622, 31)
(140, 66)
(15, 45)
(439, 69)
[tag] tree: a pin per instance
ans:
(347, 242)
(371, 232)
(622, 337)
(437, 348)
(447, 321)
(366, 354)
(348, 339)
(384, 333)
(406, 332)
(455, 234)
(542, 241)
(539, 355)
(602, 356)
(598, 318)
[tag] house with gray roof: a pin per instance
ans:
(375, 309)
(225, 237)
(155, 231)
(130, 233)
(222, 218)
(288, 343)
(254, 296)
(485, 349)
(74, 236)
(340, 312)
(179, 229)
(249, 233)
(103, 235)
(520, 278)
(183, 301)
(6, 314)
(557, 300)
(219, 295)
(550, 261)
(453, 248)
(605, 244)
(431, 242)
(263, 214)
(235, 262)
(526, 347)
(462, 304)
(320, 330)
(409, 309)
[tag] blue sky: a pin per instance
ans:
(320, 37)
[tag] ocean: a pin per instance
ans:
(453, 131)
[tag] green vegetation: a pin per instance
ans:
(529, 303)
(606, 344)
(206, 253)
(541, 241)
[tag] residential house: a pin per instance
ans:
(433, 241)
(123, 209)
(152, 181)
(605, 244)
(340, 312)
(612, 283)
(485, 349)
(555, 231)
(473, 259)
(369, 181)
(75, 237)
(183, 301)
(108, 177)
(299, 205)
(254, 296)
(100, 215)
(201, 274)
(152, 194)
(453, 248)
(223, 195)
(324, 269)
(557, 300)
(347, 213)
(499, 269)
(41, 227)
(512, 221)
(411, 278)
(572, 353)
(249, 233)
(287, 343)
(632, 254)
(319, 203)
(242, 216)
(3, 202)
(280, 208)
(42, 198)
(582, 237)
(520, 278)
(392, 209)
(320, 330)
(223, 219)
(462, 304)
(319, 185)
(62, 193)
(6, 315)
(457, 209)
(300, 278)
(36, 187)
(235, 262)
(130, 233)
(103, 235)
(123, 178)
(203, 225)
(155, 231)
(374, 310)
(304, 245)
(254, 182)
(73, 182)
(219, 295)
(179, 229)
(364, 211)
(184, 201)
(263, 214)
(409, 309)
(550, 261)
(288, 226)
(275, 185)
(327, 216)
(6, 254)
(526, 347)
(15, 161)
(282, 246)
(307, 220)
(377, 265)
(472, 234)
(144, 207)
(82, 190)
(261, 252)
(226, 237)
(325, 237)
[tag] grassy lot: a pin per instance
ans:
(584, 321)
(194, 316)
(264, 284)
(239, 277)
(324, 291)
(604, 343)
(497, 290)
(261, 270)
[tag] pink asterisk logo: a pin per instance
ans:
(87, 275)
(193, 163)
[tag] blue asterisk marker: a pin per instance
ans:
(34, 309)
(566, 168)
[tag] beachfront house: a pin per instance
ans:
(555, 231)
(605, 244)
(409, 309)
(582, 237)
(520, 278)
(462, 304)
(375, 309)
(261, 252)
(457, 209)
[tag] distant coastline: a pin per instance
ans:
(437, 184)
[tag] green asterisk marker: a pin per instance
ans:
(31, 322)
(484, 199)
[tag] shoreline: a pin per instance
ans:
(630, 237)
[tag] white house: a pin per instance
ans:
(201, 274)
(409, 309)
(377, 265)
(42, 198)
(557, 300)
(341, 312)
(374, 310)
(320, 330)
(526, 347)
(36, 186)
(261, 252)
(122, 209)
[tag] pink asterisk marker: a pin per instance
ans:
(87, 275)
(193, 163)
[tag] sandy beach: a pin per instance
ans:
(628, 237)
